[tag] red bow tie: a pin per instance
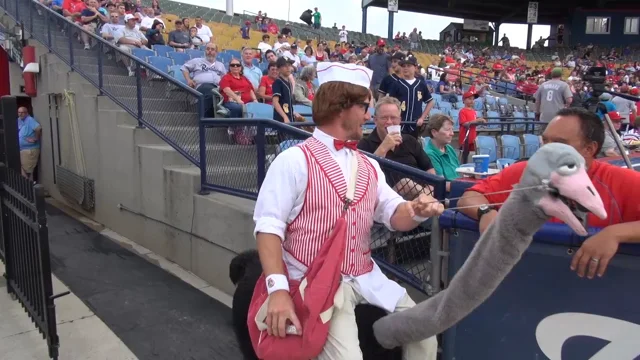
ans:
(340, 144)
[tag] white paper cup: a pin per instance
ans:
(394, 129)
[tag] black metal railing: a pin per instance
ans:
(26, 245)
(164, 105)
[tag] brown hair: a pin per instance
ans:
(436, 122)
(333, 97)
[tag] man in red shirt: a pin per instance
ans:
(72, 9)
(468, 122)
(619, 189)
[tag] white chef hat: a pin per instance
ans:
(349, 73)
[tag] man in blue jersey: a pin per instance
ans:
(412, 93)
(396, 73)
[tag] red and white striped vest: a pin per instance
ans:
(323, 205)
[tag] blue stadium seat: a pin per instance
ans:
(425, 143)
(478, 104)
(177, 74)
(479, 114)
(303, 110)
(259, 110)
(495, 121)
(531, 144)
(519, 118)
(162, 63)
(224, 58)
(287, 144)
(459, 105)
(445, 106)
(503, 163)
(490, 100)
(510, 146)
(487, 145)
(455, 116)
(511, 89)
(142, 54)
(179, 58)
(435, 111)
(162, 50)
(234, 54)
(195, 53)
(437, 97)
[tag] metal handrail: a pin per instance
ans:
(112, 47)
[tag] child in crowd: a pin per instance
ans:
(468, 123)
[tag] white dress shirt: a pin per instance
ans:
(147, 22)
(281, 198)
(204, 32)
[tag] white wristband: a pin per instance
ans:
(419, 219)
(277, 282)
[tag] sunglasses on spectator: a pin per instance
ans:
(234, 65)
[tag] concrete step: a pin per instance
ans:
(167, 154)
(235, 177)
(155, 90)
(107, 70)
(166, 105)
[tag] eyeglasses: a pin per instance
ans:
(235, 65)
(387, 118)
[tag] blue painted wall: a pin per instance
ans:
(616, 35)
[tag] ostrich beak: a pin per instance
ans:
(570, 198)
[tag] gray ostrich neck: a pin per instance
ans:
(495, 254)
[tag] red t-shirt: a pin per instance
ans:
(74, 6)
(619, 189)
(267, 82)
(467, 115)
(310, 94)
(242, 85)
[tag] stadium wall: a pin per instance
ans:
(134, 168)
(616, 36)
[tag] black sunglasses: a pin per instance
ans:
(234, 65)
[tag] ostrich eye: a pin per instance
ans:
(568, 169)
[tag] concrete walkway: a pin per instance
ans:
(125, 302)
(82, 334)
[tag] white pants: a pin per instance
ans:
(343, 344)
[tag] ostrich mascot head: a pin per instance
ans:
(557, 186)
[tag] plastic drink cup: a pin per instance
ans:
(481, 163)
(394, 129)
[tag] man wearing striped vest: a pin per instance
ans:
(301, 199)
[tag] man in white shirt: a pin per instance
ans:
(130, 38)
(343, 34)
(203, 31)
(149, 17)
(301, 198)
(291, 52)
(111, 29)
(282, 40)
(264, 45)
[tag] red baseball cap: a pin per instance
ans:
(614, 116)
(469, 94)
(634, 91)
(381, 43)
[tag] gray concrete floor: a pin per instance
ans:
(82, 334)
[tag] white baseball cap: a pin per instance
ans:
(129, 17)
